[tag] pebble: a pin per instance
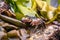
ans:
(12, 34)
(3, 36)
(13, 38)
(55, 22)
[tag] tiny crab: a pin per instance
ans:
(33, 21)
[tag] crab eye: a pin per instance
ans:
(26, 19)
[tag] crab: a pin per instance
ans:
(34, 22)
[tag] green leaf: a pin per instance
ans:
(48, 1)
(19, 16)
(59, 2)
(26, 11)
(26, 3)
(21, 7)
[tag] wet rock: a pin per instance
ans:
(0, 20)
(3, 5)
(1, 23)
(58, 24)
(23, 34)
(2, 29)
(3, 36)
(9, 27)
(55, 22)
(12, 34)
(13, 38)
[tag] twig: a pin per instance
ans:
(11, 20)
